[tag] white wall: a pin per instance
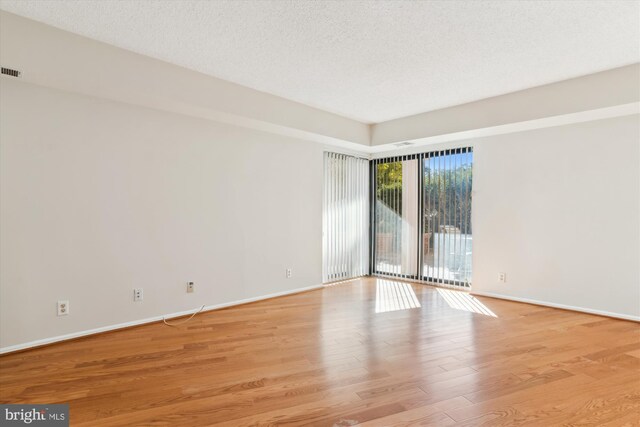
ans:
(99, 197)
(558, 210)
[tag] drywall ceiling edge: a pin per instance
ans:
(55, 58)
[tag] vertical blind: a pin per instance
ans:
(345, 217)
(422, 216)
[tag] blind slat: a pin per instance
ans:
(345, 217)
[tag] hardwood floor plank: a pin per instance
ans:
(426, 415)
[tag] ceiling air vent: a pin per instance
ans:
(11, 72)
(403, 144)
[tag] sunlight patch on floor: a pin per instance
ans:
(342, 282)
(466, 302)
(394, 296)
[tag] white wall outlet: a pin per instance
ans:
(502, 277)
(289, 272)
(138, 294)
(191, 287)
(63, 308)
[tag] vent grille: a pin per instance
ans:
(11, 72)
(403, 144)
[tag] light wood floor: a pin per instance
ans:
(338, 357)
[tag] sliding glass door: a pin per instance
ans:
(422, 216)
(396, 219)
(446, 206)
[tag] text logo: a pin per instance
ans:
(35, 415)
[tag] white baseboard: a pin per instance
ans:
(562, 306)
(65, 337)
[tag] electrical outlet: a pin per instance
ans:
(502, 277)
(289, 272)
(63, 308)
(191, 287)
(138, 294)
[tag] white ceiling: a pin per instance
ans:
(369, 60)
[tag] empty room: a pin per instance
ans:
(320, 213)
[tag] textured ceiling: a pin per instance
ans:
(368, 60)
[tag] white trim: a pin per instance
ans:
(562, 306)
(72, 335)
